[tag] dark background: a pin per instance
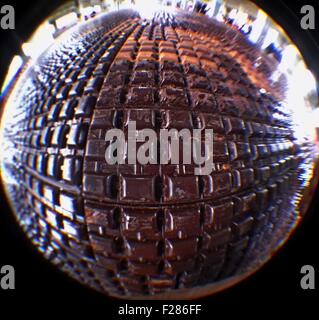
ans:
(275, 289)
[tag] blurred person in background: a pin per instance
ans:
(247, 27)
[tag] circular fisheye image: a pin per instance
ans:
(159, 149)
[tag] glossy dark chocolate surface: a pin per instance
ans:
(134, 230)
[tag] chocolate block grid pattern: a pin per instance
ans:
(131, 230)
